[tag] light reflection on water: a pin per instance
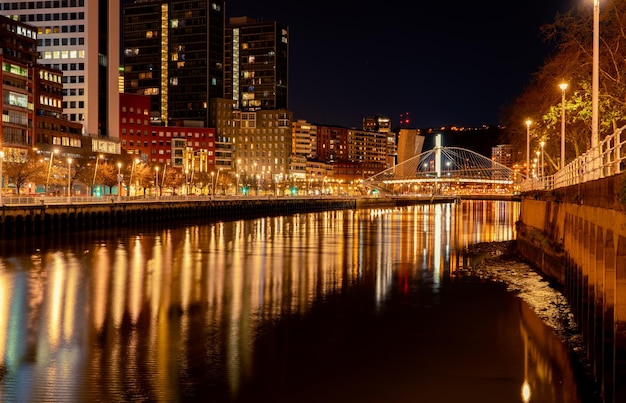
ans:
(176, 315)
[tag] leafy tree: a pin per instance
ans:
(21, 169)
(107, 175)
(571, 62)
(143, 176)
(172, 178)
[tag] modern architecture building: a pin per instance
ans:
(173, 51)
(80, 38)
(256, 63)
(31, 98)
(410, 144)
(263, 143)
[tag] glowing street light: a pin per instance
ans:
(49, 169)
(69, 180)
(130, 181)
(595, 78)
(119, 181)
(95, 172)
(156, 182)
(563, 87)
(543, 143)
(528, 122)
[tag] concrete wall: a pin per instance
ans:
(16, 221)
(577, 237)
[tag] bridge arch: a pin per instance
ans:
(447, 170)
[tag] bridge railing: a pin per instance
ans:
(607, 159)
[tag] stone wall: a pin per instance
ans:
(577, 237)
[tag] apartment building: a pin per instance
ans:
(80, 38)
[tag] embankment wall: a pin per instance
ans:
(577, 237)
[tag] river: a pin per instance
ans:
(339, 306)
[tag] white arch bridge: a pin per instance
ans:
(447, 171)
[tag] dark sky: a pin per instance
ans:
(445, 62)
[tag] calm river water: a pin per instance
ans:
(340, 306)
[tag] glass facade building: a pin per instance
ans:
(173, 51)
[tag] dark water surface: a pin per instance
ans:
(342, 306)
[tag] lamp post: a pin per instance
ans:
(212, 184)
(528, 122)
(543, 143)
(119, 181)
(1, 181)
(95, 172)
(69, 180)
(217, 177)
(563, 87)
(186, 181)
(595, 79)
(132, 170)
(156, 182)
(237, 174)
(49, 169)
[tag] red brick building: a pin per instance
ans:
(176, 146)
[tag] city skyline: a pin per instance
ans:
(452, 63)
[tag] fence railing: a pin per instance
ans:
(607, 159)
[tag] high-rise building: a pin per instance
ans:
(18, 53)
(256, 64)
(174, 51)
(80, 38)
(31, 97)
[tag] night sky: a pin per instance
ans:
(450, 62)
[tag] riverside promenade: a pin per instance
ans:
(52, 215)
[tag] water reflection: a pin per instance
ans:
(177, 314)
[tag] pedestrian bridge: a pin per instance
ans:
(446, 171)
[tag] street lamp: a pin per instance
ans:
(49, 168)
(217, 177)
(563, 87)
(156, 182)
(69, 180)
(95, 172)
(119, 181)
(543, 143)
(528, 122)
(212, 184)
(595, 79)
(130, 181)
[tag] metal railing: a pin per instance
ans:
(41, 200)
(608, 159)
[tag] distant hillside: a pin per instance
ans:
(479, 140)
